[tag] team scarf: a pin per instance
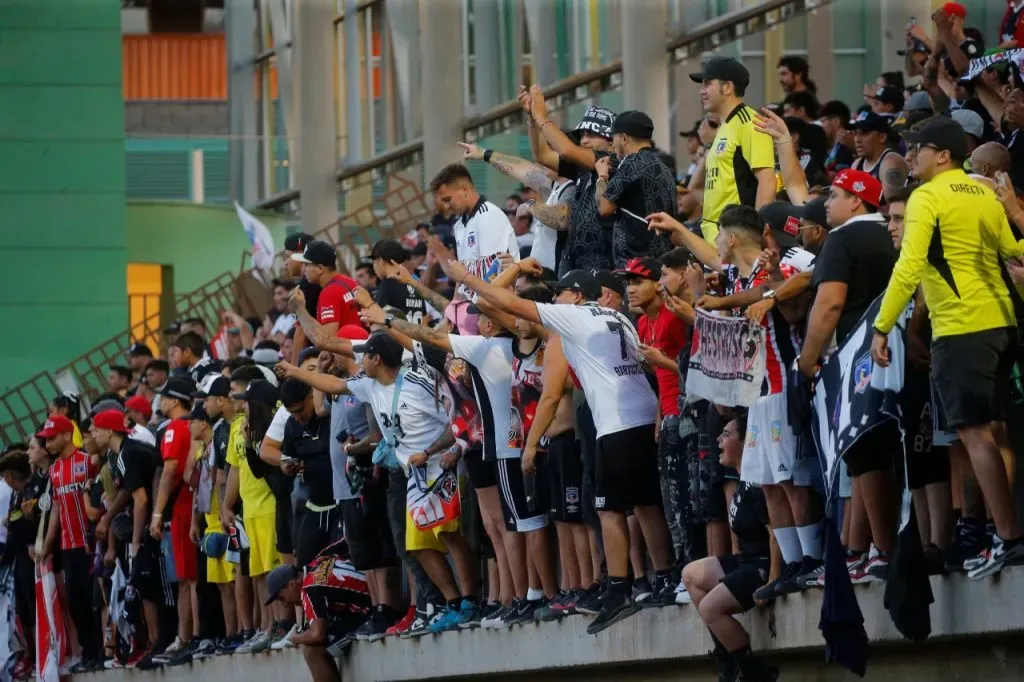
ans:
(1013, 57)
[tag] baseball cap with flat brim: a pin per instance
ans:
(723, 69)
(581, 281)
(317, 253)
(278, 579)
(259, 391)
(181, 388)
(383, 345)
(941, 133)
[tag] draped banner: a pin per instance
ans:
(727, 359)
(10, 643)
(51, 636)
(853, 395)
(976, 66)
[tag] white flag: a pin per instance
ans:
(259, 236)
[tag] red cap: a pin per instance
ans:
(111, 419)
(352, 332)
(56, 424)
(139, 403)
(955, 9)
(645, 268)
(861, 185)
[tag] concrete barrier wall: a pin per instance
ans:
(978, 634)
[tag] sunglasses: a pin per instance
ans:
(918, 146)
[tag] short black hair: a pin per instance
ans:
(293, 392)
(268, 343)
(247, 373)
(895, 78)
(450, 174)
(116, 397)
(366, 265)
(125, 372)
(669, 160)
(389, 250)
(677, 259)
(11, 447)
(284, 284)
(737, 217)
(190, 341)
(834, 109)
(158, 364)
(16, 463)
(538, 293)
(803, 100)
(516, 197)
(901, 195)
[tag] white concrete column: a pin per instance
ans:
(645, 71)
(540, 22)
(403, 17)
(243, 153)
(316, 164)
(441, 75)
(487, 53)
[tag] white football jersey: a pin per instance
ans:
(479, 237)
(601, 346)
(490, 365)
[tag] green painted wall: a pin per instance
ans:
(62, 243)
(199, 241)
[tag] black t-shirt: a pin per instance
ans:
(21, 531)
(1014, 143)
(135, 468)
(221, 432)
(310, 444)
(590, 235)
(312, 293)
(748, 519)
(391, 292)
(861, 254)
(641, 184)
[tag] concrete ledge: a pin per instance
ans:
(971, 621)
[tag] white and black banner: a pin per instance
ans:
(976, 66)
(727, 359)
(854, 396)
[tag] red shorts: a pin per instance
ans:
(186, 557)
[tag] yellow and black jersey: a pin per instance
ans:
(739, 148)
(956, 230)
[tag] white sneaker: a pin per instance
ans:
(286, 641)
(172, 649)
(682, 595)
(256, 643)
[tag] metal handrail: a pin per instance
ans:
(705, 37)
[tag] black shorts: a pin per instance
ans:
(148, 575)
(627, 470)
(743, 577)
(586, 434)
(316, 531)
(481, 474)
(365, 525)
(972, 375)
(926, 463)
(284, 525)
(876, 450)
(564, 475)
(522, 513)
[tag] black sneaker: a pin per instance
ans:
(591, 601)
(184, 656)
(772, 590)
(806, 577)
(613, 609)
(369, 626)
(968, 543)
(725, 666)
(664, 594)
(642, 590)
(521, 611)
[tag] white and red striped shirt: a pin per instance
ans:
(70, 478)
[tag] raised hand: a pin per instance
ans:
(663, 222)
(770, 123)
(471, 152)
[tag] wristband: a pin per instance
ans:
(157, 516)
(487, 155)
(785, 140)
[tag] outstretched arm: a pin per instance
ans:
(556, 139)
(499, 297)
(435, 336)
(529, 173)
(327, 383)
(397, 272)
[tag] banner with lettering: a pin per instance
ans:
(853, 395)
(727, 359)
(976, 66)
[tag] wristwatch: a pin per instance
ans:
(768, 295)
(388, 319)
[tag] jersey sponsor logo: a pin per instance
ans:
(70, 488)
(862, 373)
(327, 312)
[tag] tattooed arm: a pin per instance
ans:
(526, 172)
(556, 217)
(398, 272)
(894, 174)
(443, 442)
(435, 336)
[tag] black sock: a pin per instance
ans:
(619, 587)
(719, 647)
(454, 603)
(662, 579)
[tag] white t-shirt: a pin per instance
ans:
(283, 324)
(6, 492)
(601, 346)
(276, 429)
(143, 435)
(421, 417)
(480, 237)
(490, 365)
(546, 238)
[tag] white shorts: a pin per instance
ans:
(769, 452)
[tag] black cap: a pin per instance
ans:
(582, 281)
(723, 69)
(635, 124)
(420, 249)
(199, 413)
(609, 280)
(213, 386)
(784, 219)
(278, 579)
(297, 242)
(888, 94)
(382, 344)
(173, 327)
(318, 253)
(596, 120)
(814, 212)
(259, 391)
(943, 134)
(181, 388)
(869, 122)
(139, 349)
(390, 250)
(692, 132)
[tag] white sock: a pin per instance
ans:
(534, 594)
(810, 540)
(789, 544)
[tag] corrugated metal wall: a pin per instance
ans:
(175, 67)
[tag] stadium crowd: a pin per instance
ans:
(592, 399)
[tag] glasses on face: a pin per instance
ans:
(918, 146)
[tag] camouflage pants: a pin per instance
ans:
(675, 485)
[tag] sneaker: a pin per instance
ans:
(856, 566)
(380, 620)
(522, 611)
(185, 655)
(877, 565)
(815, 578)
(362, 633)
(227, 645)
(447, 619)
(472, 617)
(496, 619)
(807, 577)
(87, 665)
(991, 561)
(682, 595)
(642, 590)
(664, 595)
(147, 662)
(564, 604)
(285, 642)
(421, 624)
(613, 609)
(257, 643)
(590, 604)
(172, 650)
(403, 624)
(773, 590)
